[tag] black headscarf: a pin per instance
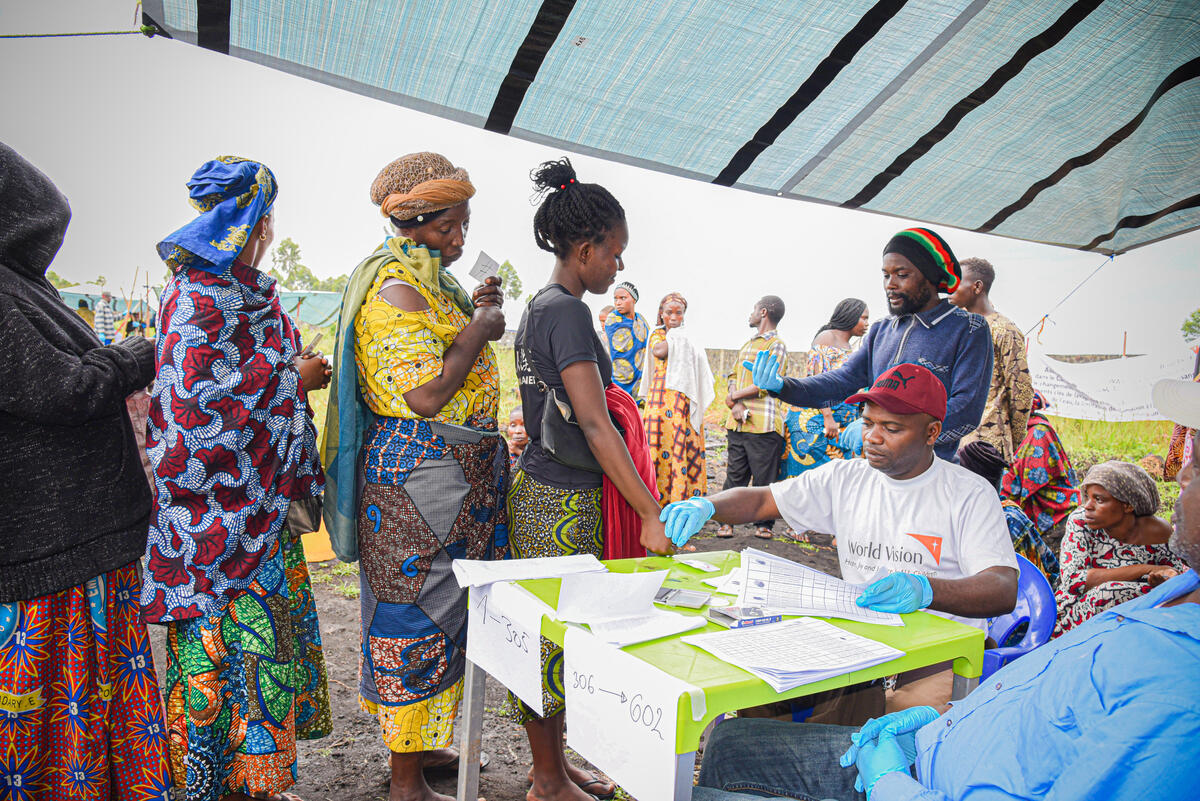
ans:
(845, 315)
(983, 459)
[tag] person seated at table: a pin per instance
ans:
(1108, 710)
(933, 527)
(1115, 549)
(984, 459)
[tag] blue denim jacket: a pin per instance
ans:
(955, 345)
(1107, 711)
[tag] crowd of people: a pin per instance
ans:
(916, 441)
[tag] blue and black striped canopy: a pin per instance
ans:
(1071, 123)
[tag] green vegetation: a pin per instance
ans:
(1191, 326)
(287, 269)
(58, 281)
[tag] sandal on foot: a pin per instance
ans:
(451, 767)
(764, 533)
(725, 532)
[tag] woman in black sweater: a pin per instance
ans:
(77, 679)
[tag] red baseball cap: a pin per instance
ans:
(906, 389)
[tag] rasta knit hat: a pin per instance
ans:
(930, 254)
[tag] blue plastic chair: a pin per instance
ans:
(1035, 607)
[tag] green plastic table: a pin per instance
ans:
(926, 640)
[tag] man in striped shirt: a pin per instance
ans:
(104, 324)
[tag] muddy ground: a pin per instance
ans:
(351, 764)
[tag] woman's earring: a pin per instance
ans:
(263, 237)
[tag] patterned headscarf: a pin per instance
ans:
(930, 254)
(419, 184)
(1039, 402)
(630, 288)
(1126, 482)
(232, 194)
(670, 296)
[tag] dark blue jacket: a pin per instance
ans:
(955, 345)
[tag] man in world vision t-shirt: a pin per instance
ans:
(936, 529)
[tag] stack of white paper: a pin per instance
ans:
(477, 573)
(783, 586)
(619, 607)
(728, 584)
(795, 652)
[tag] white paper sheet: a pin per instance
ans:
(485, 267)
(729, 584)
(795, 652)
(476, 573)
(600, 597)
(504, 625)
(658, 623)
(621, 715)
(784, 586)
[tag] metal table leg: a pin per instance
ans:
(470, 744)
(685, 768)
(962, 687)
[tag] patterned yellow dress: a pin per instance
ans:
(434, 492)
(677, 448)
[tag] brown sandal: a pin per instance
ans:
(725, 532)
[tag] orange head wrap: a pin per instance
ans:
(419, 183)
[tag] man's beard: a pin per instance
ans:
(1188, 552)
(914, 304)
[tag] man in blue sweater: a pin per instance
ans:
(924, 329)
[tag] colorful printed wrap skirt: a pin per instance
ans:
(80, 713)
(549, 521)
(807, 446)
(434, 493)
(244, 684)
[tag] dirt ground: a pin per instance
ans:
(351, 764)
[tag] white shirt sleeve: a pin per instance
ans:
(806, 502)
(984, 540)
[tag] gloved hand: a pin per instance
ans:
(898, 592)
(765, 371)
(851, 439)
(903, 725)
(683, 519)
(878, 759)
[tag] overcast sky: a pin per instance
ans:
(120, 124)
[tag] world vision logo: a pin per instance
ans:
(932, 544)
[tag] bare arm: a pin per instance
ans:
(660, 350)
(988, 593)
(586, 393)
(744, 505)
(1102, 575)
(487, 325)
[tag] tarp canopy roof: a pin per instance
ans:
(1071, 123)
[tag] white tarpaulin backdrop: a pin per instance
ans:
(1116, 391)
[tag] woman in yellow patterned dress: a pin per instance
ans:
(435, 467)
(674, 433)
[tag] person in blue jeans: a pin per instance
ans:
(1109, 710)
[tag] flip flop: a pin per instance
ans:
(725, 532)
(597, 780)
(450, 768)
(764, 533)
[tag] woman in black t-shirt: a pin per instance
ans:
(554, 507)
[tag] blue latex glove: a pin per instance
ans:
(684, 518)
(903, 725)
(851, 440)
(877, 760)
(898, 592)
(765, 371)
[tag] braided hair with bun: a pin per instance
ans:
(571, 212)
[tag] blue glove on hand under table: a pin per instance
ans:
(684, 518)
(878, 759)
(898, 592)
(764, 372)
(903, 725)
(851, 440)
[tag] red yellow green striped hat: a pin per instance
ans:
(930, 254)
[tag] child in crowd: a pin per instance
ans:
(517, 438)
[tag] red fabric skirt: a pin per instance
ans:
(622, 527)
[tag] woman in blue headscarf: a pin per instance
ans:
(232, 445)
(626, 332)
